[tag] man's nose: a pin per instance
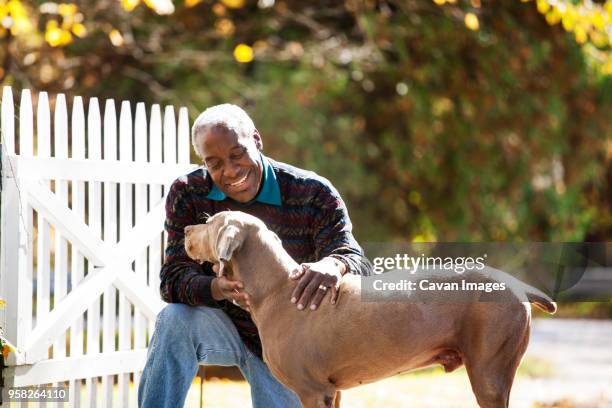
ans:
(232, 169)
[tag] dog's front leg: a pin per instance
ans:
(320, 400)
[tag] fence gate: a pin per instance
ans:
(82, 239)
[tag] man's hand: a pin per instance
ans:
(224, 288)
(315, 281)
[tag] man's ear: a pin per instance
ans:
(258, 141)
(229, 239)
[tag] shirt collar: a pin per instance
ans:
(269, 193)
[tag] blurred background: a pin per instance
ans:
(436, 120)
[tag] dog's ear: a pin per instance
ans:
(229, 239)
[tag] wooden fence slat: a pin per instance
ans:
(125, 223)
(26, 125)
(60, 269)
(43, 265)
(8, 120)
(155, 194)
(94, 210)
(169, 144)
(141, 202)
(77, 259)
(169, 135)
(35, 168)
(106, 364)
(26, 255)
(183, 136)
(110, 236)
(10, 226)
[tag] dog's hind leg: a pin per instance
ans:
(337, 399)
(491, 367)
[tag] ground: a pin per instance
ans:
(568, 365)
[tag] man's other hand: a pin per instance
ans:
(316, 279)
(224, 288)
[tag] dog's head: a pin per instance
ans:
(221, 236)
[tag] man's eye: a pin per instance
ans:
(238, 156)
(214, 166)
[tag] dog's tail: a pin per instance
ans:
(540, 299)
(523, 291)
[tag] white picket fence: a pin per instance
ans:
(82, 240)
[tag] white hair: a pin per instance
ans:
(228, 116)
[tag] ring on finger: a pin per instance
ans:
(323, 288)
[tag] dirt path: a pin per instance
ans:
(579, 353)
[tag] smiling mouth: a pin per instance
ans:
(241, 182)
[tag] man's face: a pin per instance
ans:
(233, 163)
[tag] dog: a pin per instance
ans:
(352, 342)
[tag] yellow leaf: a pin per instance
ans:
(66, 9)
(439, 2)
(568, 21)
(53, 35)
(598, 20)
(233, 3)
(129, 5)
(21, 25)
(116, 38)
(191, 3)
(553, 16)
(543, 6)
(65, 37)
(243, 53)
(67, 23)
(79, 30)
(580, 34)
(471, 21)
(608, 8)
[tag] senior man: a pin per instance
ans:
(207, 319)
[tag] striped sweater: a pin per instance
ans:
(311, 221)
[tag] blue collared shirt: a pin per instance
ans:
(269, 192)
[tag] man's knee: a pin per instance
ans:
(181, 319)
(174, 319)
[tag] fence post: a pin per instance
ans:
(12, 241)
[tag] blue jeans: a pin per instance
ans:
(186, 336)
